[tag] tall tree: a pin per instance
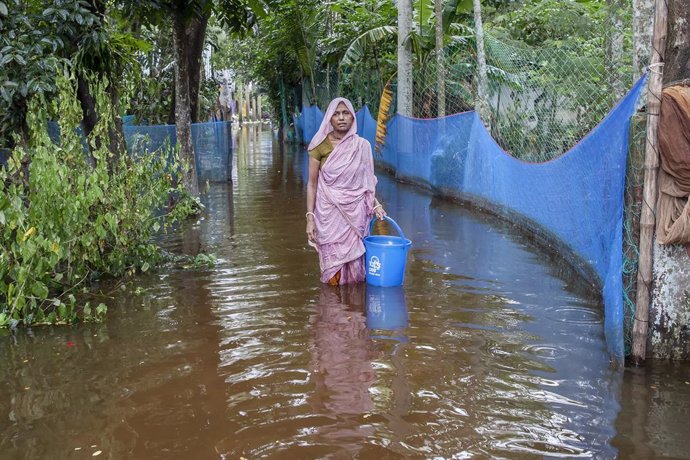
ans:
(404, 57)
(643, 20)
(677, 62)
(614, 47)
(186, 22)
(189, 20)
(482, 81)
(440, 69)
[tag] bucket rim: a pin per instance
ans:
(377, 240)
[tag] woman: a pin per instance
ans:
(340, 195)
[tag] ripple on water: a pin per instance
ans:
(574, 315)
(550, 352)
(552, 448)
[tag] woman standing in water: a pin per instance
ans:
(340, 195)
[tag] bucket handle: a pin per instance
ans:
(393, 223)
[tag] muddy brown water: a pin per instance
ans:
(488, 351)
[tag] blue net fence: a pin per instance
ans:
(573, 203)
(212, 145)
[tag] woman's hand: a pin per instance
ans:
(379, 211)
(311, 229)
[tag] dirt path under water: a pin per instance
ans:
(488, 351)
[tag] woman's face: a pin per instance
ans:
(342, 119)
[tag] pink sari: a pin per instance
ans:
(344, 201)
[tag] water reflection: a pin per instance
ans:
(341, 365)
(386, 308)
(341, 352)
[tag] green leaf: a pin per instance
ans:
(370, 38)
(40, 290)
(145, 267)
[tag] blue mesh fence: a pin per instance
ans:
(311, 120)
(573, 203)
(212, 145)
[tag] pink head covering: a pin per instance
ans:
(326, 126)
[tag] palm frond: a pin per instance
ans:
(355, 52)
(382, 117)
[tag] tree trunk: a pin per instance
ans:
(196, 36)
(440, 69)
(677, 59)
(183, 111)
(405, 83)
(651, 169)
(643, 21)
(614, 48)
(89, 115)
(482, 82)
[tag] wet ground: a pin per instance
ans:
(489, 351)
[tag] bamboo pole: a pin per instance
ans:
(651, 169)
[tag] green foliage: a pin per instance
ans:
(358, 48)
(33, 39)
(542, 22)
(64, 223)
(151, 92)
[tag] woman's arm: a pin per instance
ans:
(314, 165)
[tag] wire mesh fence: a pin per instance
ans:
(540, 101)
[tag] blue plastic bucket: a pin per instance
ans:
(386, 308)
(386, 256)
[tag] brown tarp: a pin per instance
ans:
(673, 206)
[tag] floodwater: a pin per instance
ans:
(489, 351)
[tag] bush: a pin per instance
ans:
(64, 222)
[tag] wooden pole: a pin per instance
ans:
(651, 169)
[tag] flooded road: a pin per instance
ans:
(489, 351)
